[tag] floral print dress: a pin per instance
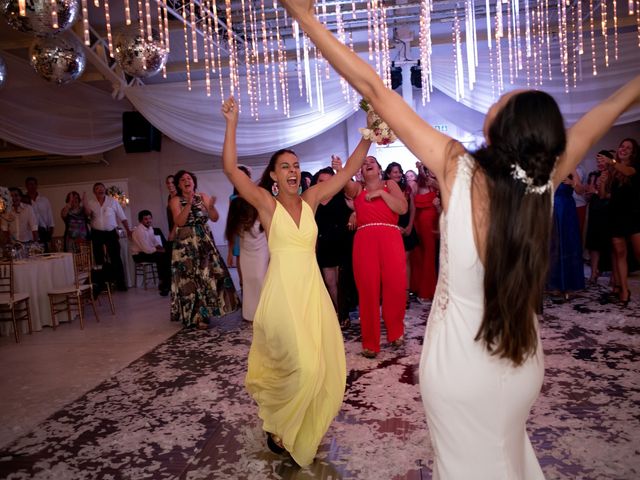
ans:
(201, 286)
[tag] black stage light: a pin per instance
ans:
(396, 76)
(416, 76)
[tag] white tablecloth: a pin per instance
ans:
(127, 262)
(36, 276)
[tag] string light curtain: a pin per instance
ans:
(530, 42)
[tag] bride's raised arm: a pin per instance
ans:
(426, 143)
(593, 125)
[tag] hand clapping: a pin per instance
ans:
(375, 194)
(336, 163)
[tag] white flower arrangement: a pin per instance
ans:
(5, 199)
(377, 129)
(119, 195)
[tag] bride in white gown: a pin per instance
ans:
(482, 367)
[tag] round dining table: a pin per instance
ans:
(37, 275)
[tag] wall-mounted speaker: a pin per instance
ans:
(138, 135)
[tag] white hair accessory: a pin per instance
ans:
(518, 173)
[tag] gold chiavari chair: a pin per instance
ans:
(14, 306)
(98, 268)
(73, 297)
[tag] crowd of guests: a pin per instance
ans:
(595, 213)
(599, 213)
(377, 247)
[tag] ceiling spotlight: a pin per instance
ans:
(416, 76)
(396, 76)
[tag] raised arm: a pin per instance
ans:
(328, 189)
(351, 189)
(256, 196)
(593, 125)
(426, 143)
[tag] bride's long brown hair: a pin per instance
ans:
(528, 131)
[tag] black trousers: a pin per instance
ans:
(110, 239)
(45, 238)
(163, 264)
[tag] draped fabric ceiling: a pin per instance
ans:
(78, 119)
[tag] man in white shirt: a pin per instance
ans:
(105, 212)
(42, 209)
(19, 222)
(148, 247)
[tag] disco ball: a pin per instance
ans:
(3, 72)
(137, 56)
(58, 60)
(38, 15)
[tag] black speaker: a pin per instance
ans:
(416, 76)
(138, 135)
(396, 76)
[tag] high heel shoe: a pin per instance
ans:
(625, 303)
(275, 444)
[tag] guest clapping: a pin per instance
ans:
(201, 286)
(76, 222)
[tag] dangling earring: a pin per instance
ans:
(274, 189)
(299, 189)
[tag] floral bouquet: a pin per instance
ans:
(5, 199)
(119, 195)
(377, 129)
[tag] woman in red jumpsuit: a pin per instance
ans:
(423, 258)
(378, 256)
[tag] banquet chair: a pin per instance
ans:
(98, 272)
(148, 271)
(14, 306)
(57, 244)
(74, 297)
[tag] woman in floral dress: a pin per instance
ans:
(201, 286)
(76, 223)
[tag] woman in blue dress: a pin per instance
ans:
(566, 270)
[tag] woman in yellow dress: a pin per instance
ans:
(297, 371)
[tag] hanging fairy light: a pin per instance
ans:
(127, 12)
(194, 37)
(160, 22)
(547, 38)
(206, 53)
(605, 29)
(519, 40)
(186, 47)
(165, 16)
(265, 51)
(426, 50)
(54, 15)
(85, 23)
(510, 37)
(638, 20)
(140, 18)
(615, 29)
(107, 18)
(594, 68)
(498, 39)
(248, 58)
